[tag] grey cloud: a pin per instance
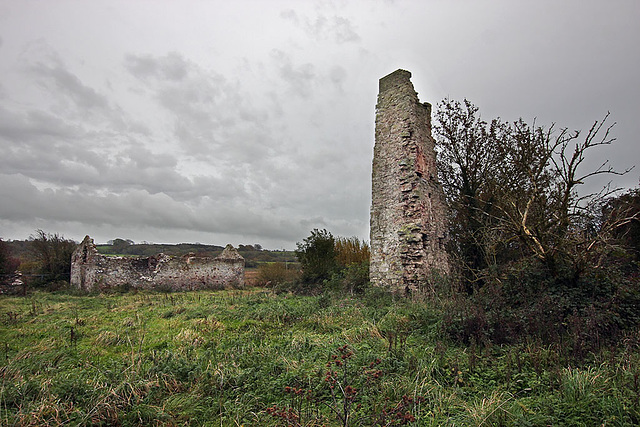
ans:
(197, 104)
(70, 85)
(70, 101)
(251, 222)
(125, 173)
(338, 76)
(34, 125)
(343, 30)
(207, 111)
(109, 151)
(134, 208)
(45, 148)
(21, 192)
(337, 28)
(171, 67)
(299, 78)
(145, 158)
(38, 143)
(290, 15)
(120, 122)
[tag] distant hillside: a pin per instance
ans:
(149, 249)
(253, 257)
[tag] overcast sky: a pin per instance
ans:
(253, 121)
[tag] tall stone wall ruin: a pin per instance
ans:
(408, 220)
(92, 271)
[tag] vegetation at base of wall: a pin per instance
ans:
(254, 357)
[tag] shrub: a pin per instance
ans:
(353, 278)
(276, 274)
(317, 255)
(8, 264)
(335, 263)
(350, 250)
(526, 300)
(52, 253)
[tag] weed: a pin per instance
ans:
(228, 356)
(351, 396)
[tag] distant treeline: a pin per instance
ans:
(50, 254)
(253, 254)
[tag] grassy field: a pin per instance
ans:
(254, 358)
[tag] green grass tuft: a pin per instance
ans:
(253, 357)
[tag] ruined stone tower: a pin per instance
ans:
(408, 229)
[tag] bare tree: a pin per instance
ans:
(513, 190)
(53, 253)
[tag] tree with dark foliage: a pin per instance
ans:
(535, 257)
(317, 256)
(52, 252)
(512, 190)
(621, 215)
(8, 264)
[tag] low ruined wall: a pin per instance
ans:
(92, 271)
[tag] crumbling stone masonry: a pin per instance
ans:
(92, 271)
(408, 221)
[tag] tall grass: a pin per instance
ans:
(230, 357)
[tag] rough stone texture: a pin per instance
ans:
(408, 221)
(92, 271)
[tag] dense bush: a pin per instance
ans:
(51, 255)
(8, 264)
(333, 263)
(353, 278)
(525, 301)
(350, 250)
(317, 256)
(276, 274)
(534, 258)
